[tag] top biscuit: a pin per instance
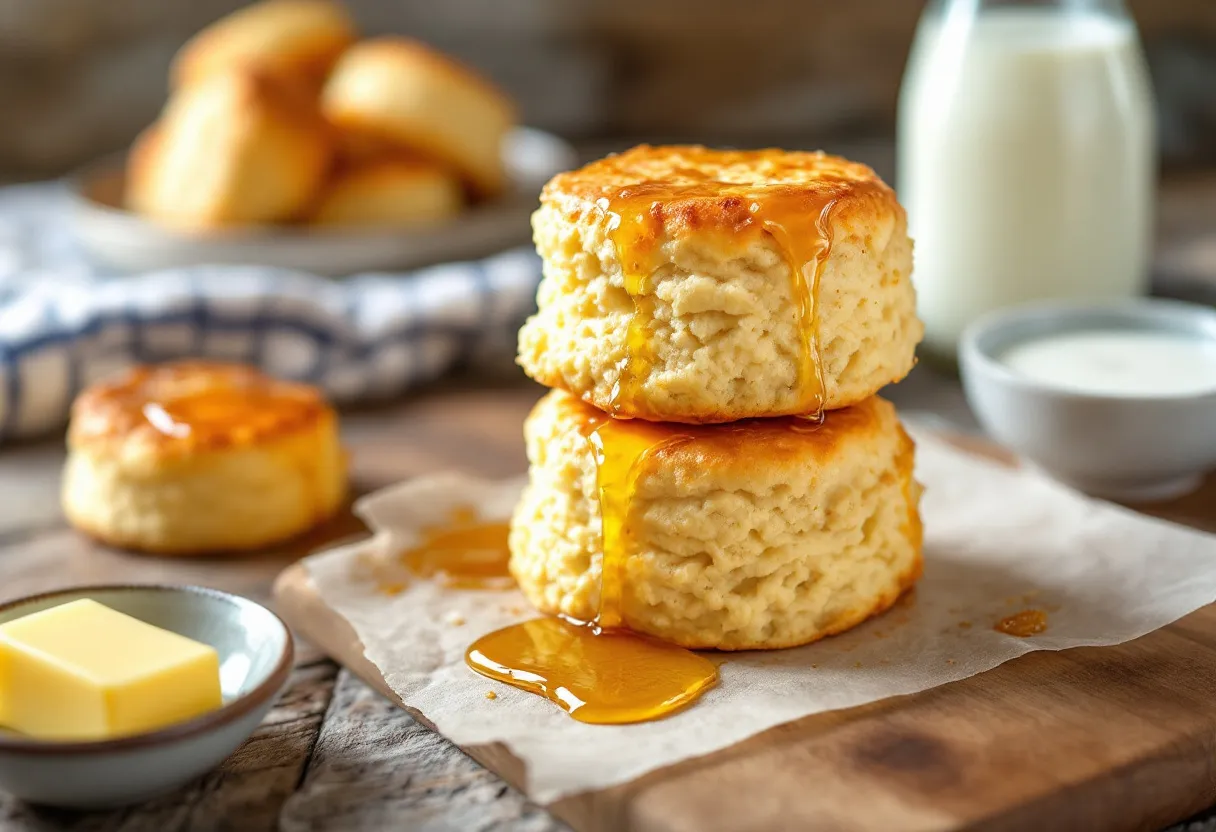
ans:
(694, 285)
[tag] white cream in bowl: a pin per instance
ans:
(1118, 362)
(1117, 399)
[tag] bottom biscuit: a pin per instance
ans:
(753, 535)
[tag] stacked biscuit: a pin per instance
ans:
(278, 115)
(715, 325)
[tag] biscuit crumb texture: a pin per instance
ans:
(733, 548)
(725, 332)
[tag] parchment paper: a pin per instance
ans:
(997, 541)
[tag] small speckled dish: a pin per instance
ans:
(255, 652)
(1132, 448)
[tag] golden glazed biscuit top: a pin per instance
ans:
(777, 443)
(700, 187)
(194, 405)
(649, 195)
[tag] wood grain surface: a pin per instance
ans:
(334, 754)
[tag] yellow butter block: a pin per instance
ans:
(82, 671)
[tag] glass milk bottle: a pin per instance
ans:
(1026, 157)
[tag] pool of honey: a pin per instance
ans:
(462, 552)
(597, 676)
(798, 220)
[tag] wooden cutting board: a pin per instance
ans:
(1110, 738)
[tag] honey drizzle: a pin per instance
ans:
(800, 222)
(620, 447)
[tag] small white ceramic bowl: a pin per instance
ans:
(255, 651)
(126, 242)
(1127, 448)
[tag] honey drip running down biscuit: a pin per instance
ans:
(620, 447)
(596, 670)
(798, 221)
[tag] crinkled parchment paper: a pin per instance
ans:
(997, 541)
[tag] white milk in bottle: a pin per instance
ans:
(1026, 158)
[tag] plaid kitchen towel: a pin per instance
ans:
(65, 323)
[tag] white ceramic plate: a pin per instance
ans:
(122, 241)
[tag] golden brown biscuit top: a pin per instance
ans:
(781, 442)
(193, 405)
(702, 185)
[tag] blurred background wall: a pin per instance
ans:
(79, 78)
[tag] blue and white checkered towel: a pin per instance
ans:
(65, 323)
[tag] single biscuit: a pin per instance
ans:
(195, 457)
(399, 193)
(238, 148)
(764, 534)
(693, 285)
(396, 93)
(297, 40)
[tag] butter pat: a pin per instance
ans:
(82, 671)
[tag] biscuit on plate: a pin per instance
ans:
(670, 289)
(298, 40)
(238, 148)
(392, 193)
(765, 534)
(197, 457)
(395, 93)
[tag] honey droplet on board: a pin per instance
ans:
(600, 677)
(1023, 624)
(798, 220)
